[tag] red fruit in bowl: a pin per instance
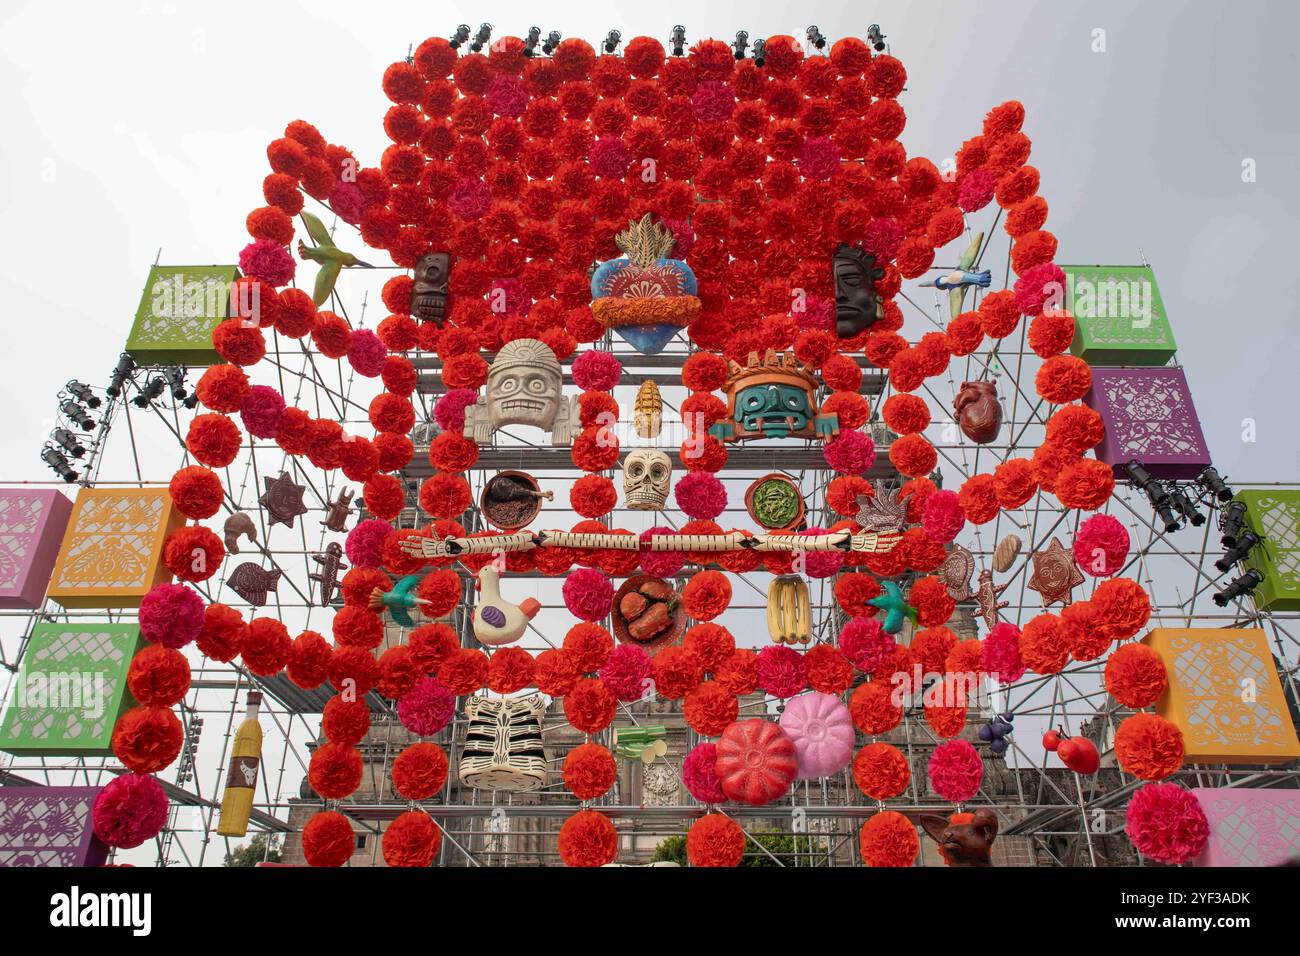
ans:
(1079, 754)
(1051, 740)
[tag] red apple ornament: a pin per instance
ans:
(1079, 754)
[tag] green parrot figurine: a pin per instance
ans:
(895, 607)
(399, 600)
(332, 259)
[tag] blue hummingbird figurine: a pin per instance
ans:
(961, 278)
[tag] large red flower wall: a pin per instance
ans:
(524, 169)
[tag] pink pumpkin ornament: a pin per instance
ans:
(821, 729)
(756, 762)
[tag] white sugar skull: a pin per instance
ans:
(646, 473)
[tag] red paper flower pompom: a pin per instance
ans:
(782, 671)
(420, 771)
(1044, 645)
(335, 770)
(589, 706)
(193, 553)
(706, 595)
(147, 739)
(1123, 607)
(328, 840)
(158, 676)
(588, 838)
(710, 708)
(588, 594)
(889, 839)
(913, 455)
(412, 839)
(266, 646)
(345, 721)
(196, 491)
(129, 810)
(1148, 746)
(213, 440)
(1086, 484)
(874, 708)
(426, 708)
(589, 771)
(934, 605)
(171, 615)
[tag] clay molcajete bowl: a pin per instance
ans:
(648, 612)
(511, 500)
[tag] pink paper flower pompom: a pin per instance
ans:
(660, 563)
(942, 517)
(850, 453)
(449, 411)
(1001, 653)
(130, 809)
(596, 371)
(366, 353)
(976, 190)
(866, 644)
(268, 261)
(713, 101)
(781, 670)
(609, 158)
(365, 544)
(819, 158)
(626, 671)
(588, 594)
(955, 771)
(1039, 286)
(1101, 545)
(700, 774)
(348, 202)
(470, 198)
(426, 708)
(700, 495)
(507, 95)
(262, 411)
(821, 564)
(171, 615)
(1166, 823)
(883, 238)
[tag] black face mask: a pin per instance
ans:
(855, 273)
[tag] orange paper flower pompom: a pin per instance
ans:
(715, 840)
(1044, 646)
(1149, 747)
(589, 771)
(889, 839)
(881, 771)
(588, 838)
(1135, 675)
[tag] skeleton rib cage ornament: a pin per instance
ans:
(503, 744)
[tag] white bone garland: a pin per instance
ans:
(868, 542)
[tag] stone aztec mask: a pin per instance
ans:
(646, 475)
(774, 397)
(503, 744)
(856, 304)
(429, 291)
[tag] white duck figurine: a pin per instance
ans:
(496, 620)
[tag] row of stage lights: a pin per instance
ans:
(77, 400)
(475, 41)
(1174, 505)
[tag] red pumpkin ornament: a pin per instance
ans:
(756, 762)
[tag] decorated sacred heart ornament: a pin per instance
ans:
(644, 296)
(775, 397)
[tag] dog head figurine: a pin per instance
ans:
(965, 839)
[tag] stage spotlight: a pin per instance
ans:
(83, 394)
(612, 39)
(760, 51)
(740, 43)
(1232, 522)
(1210, 480)
(54, 458)
(1240, 587)
(677, 40)
(815, 38)
(1245, 541)
(176, 381)
(1156, 494)
(125, 366)
(530, 42)
(76, 414)
(481, 38)
(191, 401)
(1186, 507)
(876, 38)
(68, 442)
(460, 37)
(552, 41)
(152, 391)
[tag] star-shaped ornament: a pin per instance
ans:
(1056, 574)
(283, 499)
(881, 511)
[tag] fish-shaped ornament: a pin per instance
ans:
(252, 582)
